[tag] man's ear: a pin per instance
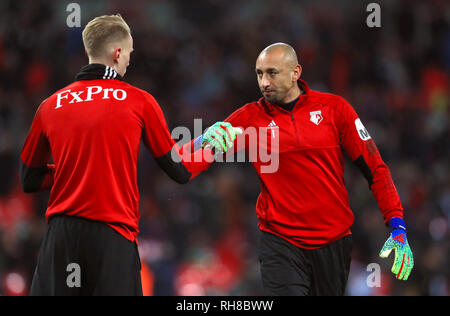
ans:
(297, 73)
(116, 54)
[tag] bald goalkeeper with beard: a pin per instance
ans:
(303, 210)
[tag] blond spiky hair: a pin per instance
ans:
(103, 31)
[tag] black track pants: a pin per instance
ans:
(84, 257)
(289, 270)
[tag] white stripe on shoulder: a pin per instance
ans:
(106, 72)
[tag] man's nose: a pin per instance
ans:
(265, 82)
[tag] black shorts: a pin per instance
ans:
(289, 270)
(84, 257)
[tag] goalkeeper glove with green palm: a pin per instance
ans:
(403, 261)
(220, 136)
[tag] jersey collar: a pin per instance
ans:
(97, 71)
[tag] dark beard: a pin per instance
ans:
(274, 98)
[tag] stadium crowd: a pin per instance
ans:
(197, 59)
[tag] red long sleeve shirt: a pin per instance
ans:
(93, 129)
(303, 196)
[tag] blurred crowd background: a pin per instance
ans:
(197, 58)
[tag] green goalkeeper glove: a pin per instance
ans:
(220, 136)
(403, 260)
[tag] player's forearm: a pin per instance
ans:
(185, 163)
(34, 179)
(182, 165)
(385, 193)
(175, 170)
(195, 161)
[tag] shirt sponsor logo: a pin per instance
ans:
(362, 131)
(91, 93)
(316, 117)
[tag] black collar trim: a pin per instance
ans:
(97, 71)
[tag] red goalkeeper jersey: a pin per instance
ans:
(303, 196)
(93, 129)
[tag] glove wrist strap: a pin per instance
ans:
(198, 143)
(397, 223)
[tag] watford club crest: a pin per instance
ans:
(316, 117)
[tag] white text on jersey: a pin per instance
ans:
(91, 93)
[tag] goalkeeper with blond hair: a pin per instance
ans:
(93, 129)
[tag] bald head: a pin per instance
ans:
(284, 52)
(278, 71)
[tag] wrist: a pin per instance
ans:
(397, 223)
(198, 143)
